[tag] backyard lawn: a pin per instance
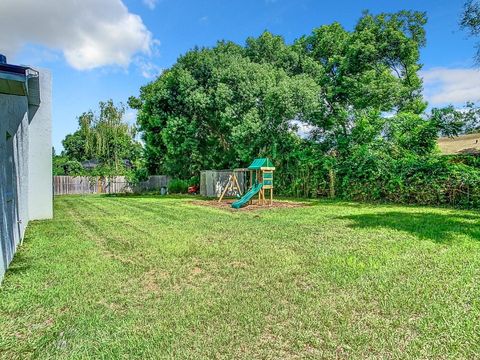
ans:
(150, 277)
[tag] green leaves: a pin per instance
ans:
(470, 21)
(102, 136)
(233, 104)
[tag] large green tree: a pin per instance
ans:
(217, 108)
(103, 136)
(470, 21)
(108, 138)
(373, 68)
(220, 107)
(74, 146)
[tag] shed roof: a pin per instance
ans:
(259, 163)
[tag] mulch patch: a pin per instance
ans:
(227, 205)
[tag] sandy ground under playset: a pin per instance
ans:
(227, 205)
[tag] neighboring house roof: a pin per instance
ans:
(463, 144)
(260, 163)
(92, 164)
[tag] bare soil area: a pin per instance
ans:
(227, 205)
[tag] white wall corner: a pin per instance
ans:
(40, 196)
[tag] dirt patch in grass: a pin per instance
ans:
(227, 205)
(150, 281)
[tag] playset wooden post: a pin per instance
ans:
(267, 178)
(232, 185)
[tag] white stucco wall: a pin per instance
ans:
(40, 196)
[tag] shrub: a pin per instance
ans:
(64, 166)
(424, 180)
(177, 186)
(136, 176)
(194, 180)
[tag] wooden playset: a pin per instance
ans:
(261, 181)
(232, 186)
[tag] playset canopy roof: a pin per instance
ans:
(259, 163)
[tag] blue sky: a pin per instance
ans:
(109, 48)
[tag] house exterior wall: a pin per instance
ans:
(25, 134)
(40, 205)
(14, 174)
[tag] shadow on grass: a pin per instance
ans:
(440, 228)
(20, 264)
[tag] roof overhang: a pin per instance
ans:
(20, 81)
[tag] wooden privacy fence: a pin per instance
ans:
(69, 185)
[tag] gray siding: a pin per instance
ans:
(15, 169)
(14, 174)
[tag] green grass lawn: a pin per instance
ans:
(147, 277)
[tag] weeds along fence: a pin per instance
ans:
(83, 185)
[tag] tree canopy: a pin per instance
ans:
(470, 21)
(103, 136)
(219, 107)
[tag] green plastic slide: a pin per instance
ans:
(246, 198)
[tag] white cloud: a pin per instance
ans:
(451, 85)
(89, 33)
(130, 116)
(151, 4)
(148, 69)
